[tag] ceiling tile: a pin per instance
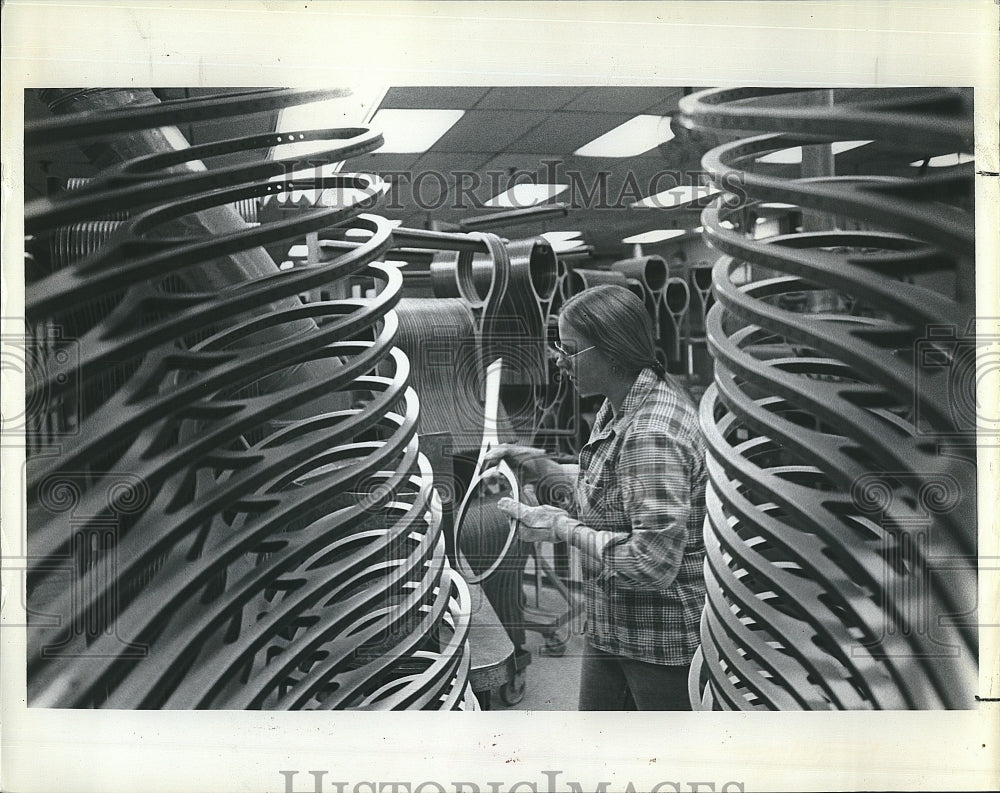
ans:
(488, 130)
(666, 105)
(566, 131)
(622, 99)
(437, 97)
(449, 163)
(528, 98)
(382, 163)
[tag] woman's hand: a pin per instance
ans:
(532, 467)
(536, 523)
(527, 462)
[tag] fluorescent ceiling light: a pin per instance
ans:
(656, 235)
(846, 145)
(698, 229)
(793, 156)
(635, 136)
(412, 131)
(560, 236)
(946, 160)
(526, 195)
(565, 246)
(677, 197)
(777, 205)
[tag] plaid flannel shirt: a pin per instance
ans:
(642, 477)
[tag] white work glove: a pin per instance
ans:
(536, 523)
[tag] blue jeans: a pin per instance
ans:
(612, 682)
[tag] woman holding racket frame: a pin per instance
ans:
(637, 508)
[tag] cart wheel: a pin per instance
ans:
(511, 693)
(555, 646)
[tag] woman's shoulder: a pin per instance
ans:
(668, 409)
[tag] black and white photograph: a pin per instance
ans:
(658, 404)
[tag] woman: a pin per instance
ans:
(639, 504)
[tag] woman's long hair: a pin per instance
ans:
(614, 319)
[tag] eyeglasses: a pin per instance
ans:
(566, 354)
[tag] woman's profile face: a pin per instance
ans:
(584, 365)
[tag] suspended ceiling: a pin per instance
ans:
(509, 135)
(516, 134)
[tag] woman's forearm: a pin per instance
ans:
(590, 541)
